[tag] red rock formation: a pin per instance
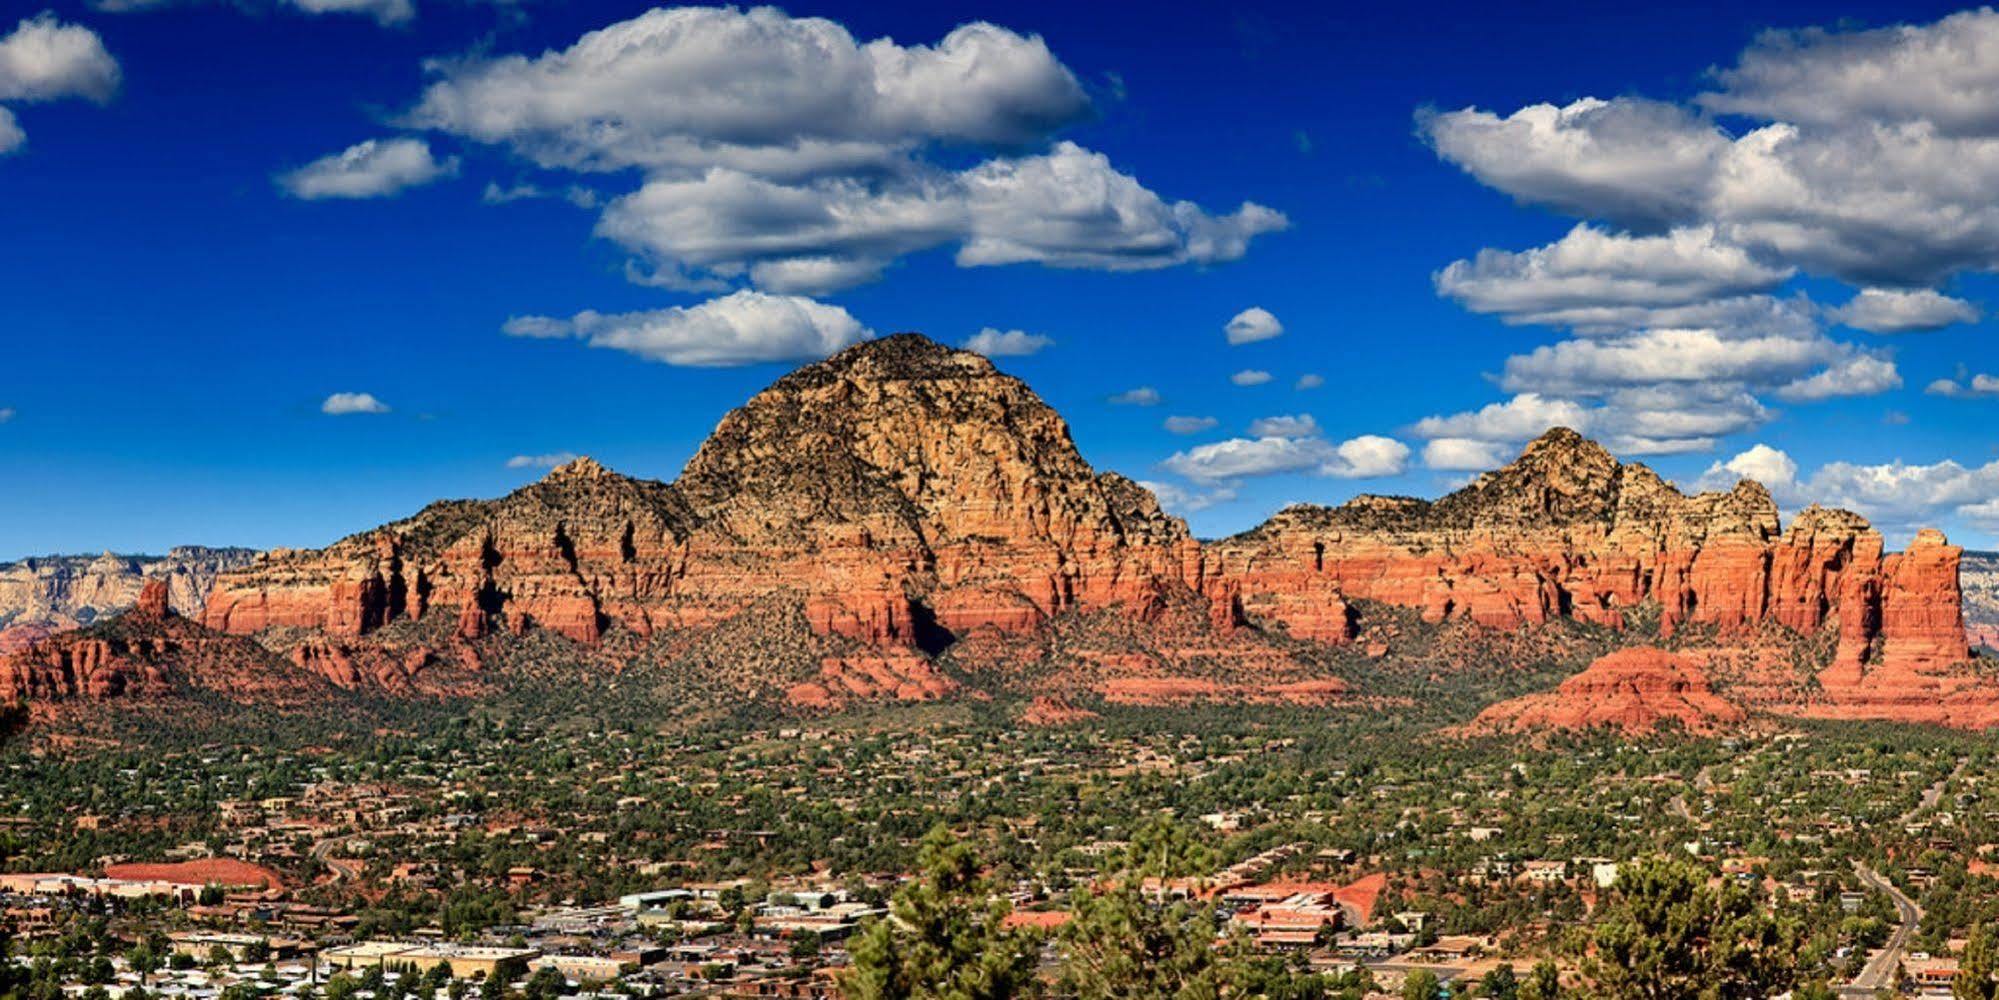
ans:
(1568, 530)
(904, 495)
(1632, 690)
(1050, 711)
(893, 675)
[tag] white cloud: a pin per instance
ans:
(1309, 381)
(1144, 395)
(782, 151)
(1299, 425)
(1588, 367)
(1946, 73)
(372, 169)
(1886, 310)
(44, 59)
(1068, 208)
(1251, 325)
(1901, 495)
(344, 403)
(994, 343)
(1897, 496)
(1862, 375)
(1180, 500)
(6, 414)
(1762, 463)
(1369, 456)
(548, 461)
(1631, 161)
(685, 89)
(745, 327)
(1463, 455)
(384, 12)
(1071, 208)
(1975, 385)
(1523, 417)
(1189, 425)
(1249, 377)
(1578, 278)
(1364, 457)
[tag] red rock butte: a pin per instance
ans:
(903, 495)
(1635, 690)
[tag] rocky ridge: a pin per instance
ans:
(909, 505)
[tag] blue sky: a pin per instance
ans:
(189, 274)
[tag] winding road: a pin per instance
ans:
(1883, 967)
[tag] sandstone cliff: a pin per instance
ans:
(903, 519)
(149, 651)
(1568, 531)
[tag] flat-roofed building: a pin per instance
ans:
(583, 968)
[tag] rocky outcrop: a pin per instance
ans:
(907, 493)
(1567, 530)
(48, 594)
(1635, 690)
(150, 652)
(901, 498)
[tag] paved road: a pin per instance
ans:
(1881, 968)
(1880, 971)
(322, 852)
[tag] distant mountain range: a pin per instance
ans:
(47, 594)
(904, 522)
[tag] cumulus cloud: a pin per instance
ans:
(1897, 496)
(994, 343)
(1071, 208)
(1144, 395)
(1584, 278)
(1762, 463)
(1189, 425)
(43, 59)
(1650, 357)
(1181, 500)
(783, 152)
(6, 414)
(1945, 73)
(1971, 386)
(548, 461)
(1888, 310)
(344, 403)
(1863, 375)
(1634, 162)
(1309, 381)
(686, 89)
(1068, 208)
(1520, 418)
(1249, 377)
(1463, 455)
(1901, 495)
(1251, 325)
(1299, 425)
(375, 168)
(742, 328)
(1364, 457)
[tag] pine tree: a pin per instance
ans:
(944, 938)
